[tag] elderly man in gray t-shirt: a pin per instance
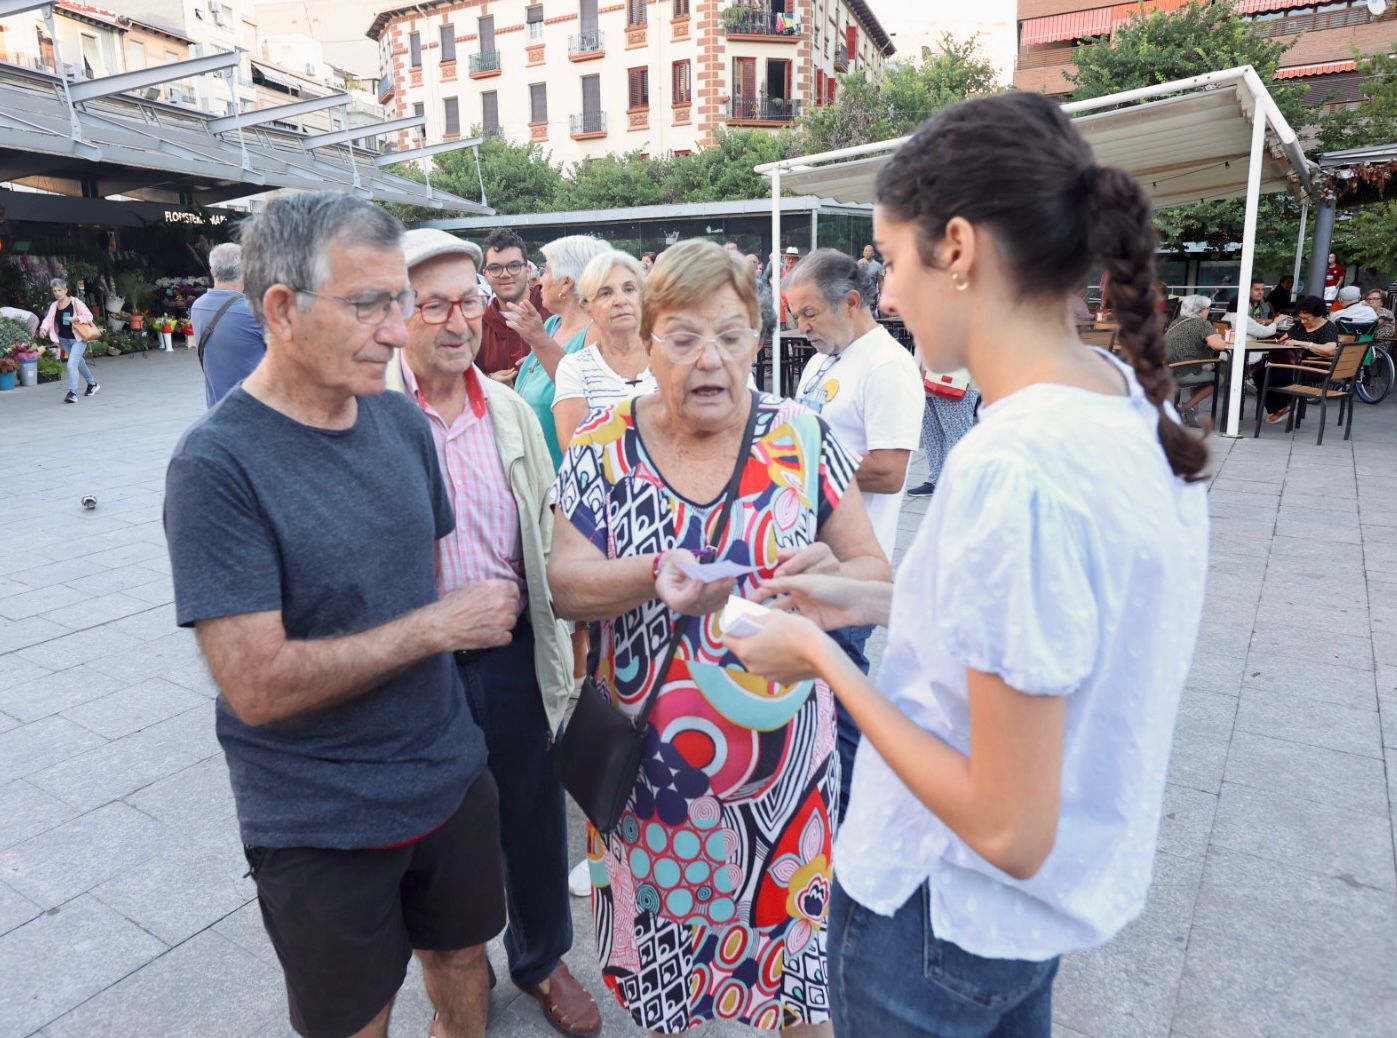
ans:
(303, 515)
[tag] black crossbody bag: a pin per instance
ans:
(597, 758)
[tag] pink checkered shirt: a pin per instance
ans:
(486, 544)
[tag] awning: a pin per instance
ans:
(1262, 6)
(1073, 26)
(1323, 69)
(158, 152)
(1182, 149)
(1122, 13)
(276, 77)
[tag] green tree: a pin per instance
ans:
(900, 97)
(1165, 46)
(1372, 121)
(518, 178)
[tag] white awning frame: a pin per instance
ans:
(1246, 124)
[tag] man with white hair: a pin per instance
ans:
(1353, 311)
(229, 338)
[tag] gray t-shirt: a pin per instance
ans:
(336, 530)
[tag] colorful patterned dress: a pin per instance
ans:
(710, 897)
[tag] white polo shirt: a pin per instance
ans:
(871, 395)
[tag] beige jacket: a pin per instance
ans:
(530, 472)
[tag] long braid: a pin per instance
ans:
(1122, 236)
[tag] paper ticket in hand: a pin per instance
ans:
(712, 571)
(741, 617)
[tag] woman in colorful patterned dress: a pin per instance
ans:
(710, 896)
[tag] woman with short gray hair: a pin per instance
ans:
(567, 331)
(64, 312)
(1193, 337)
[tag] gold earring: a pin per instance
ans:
(961, 283)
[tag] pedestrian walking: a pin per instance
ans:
(230, 341)
(498, 471)
(1008, 788)
(60, 325)
(303, 515)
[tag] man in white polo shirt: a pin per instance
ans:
(869, 390)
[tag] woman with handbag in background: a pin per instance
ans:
(950, 412)
(69, 324)
(710, 857)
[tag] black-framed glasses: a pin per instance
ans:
(820, 373)
(514, 268)
(438, 311)
(686, 347)
(372, 309)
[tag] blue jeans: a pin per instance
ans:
(77, 363)
(852, 640)
(503, 693)
(894, 978)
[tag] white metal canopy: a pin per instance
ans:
(1214, 136)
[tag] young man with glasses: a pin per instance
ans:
(498, 470)
(304, 516)
(503, 345)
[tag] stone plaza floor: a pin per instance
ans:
(124, 910)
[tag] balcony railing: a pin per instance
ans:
(749, 21)
(763, 109)
(1312, 22)
(588, 122)
(1045, 58)
(485, 61)
(491, 131)
(587, 43)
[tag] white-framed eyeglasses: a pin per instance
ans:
(687, 347)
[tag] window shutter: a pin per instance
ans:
(538, 103)
(448, 43)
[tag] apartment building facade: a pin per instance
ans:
(1325, 36)
(589, 77)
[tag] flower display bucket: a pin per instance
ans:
(29, 373)
(7, 380)
(167, 341)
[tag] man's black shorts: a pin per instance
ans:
(344, 923)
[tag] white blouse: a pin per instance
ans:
(1061, 553)
(586, 375)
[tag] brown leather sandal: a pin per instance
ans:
(566, 1005)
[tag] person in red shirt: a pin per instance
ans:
(502, 346)
(1333, 278)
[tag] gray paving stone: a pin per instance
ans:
(15, 671)
(80, 647)
(1298, 718)
(130, 763)
(98, 948)
(93, 612)
(1212, 672)
(131, 709)
(194, 798)
(32, 603)
(126, 555)
(1186, 821)
(1127, 987)
(31, 631)
(1387, 714)
(150, 625)
(1352, 846)
(26, 810)
(1325, 684)
(176, 895)
(106, 582)
(15, 909)
(244, 928)
(49, 573)
(1308, 772)
(158, 592)
(33, 747)
(1279, 951)
(168, 997)
(74, 857)
(55, 692)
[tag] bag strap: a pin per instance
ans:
(208, 328)
(719, 530)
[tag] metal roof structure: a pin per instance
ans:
(674, 211)
(104, 143)
(1214, 136)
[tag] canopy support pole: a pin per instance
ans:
(1299, 246)
(776, 280)
(1239, 340)
(62, 75)
(1324, 236)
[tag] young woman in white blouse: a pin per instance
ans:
(617, 367)
(1007, 794)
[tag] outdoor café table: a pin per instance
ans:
(1254, 347)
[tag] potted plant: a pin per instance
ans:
(7, 373)
(186, 328)
(138, 321)
(27, 354)
(133, 286)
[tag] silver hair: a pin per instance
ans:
(226, 261)
(568, 257)
(288, 242)
(59, 283)
(835, 275)
(1194, 306)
